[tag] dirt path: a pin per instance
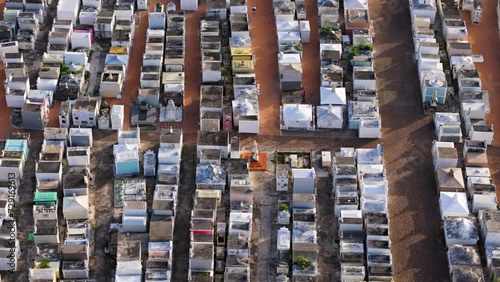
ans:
(192, 66)
(310, 58)
(488, 31)
(407, 137)
(104, 209)
(185, 199)
(24, 216)
(132, 79)
(265, 50)
(5, 112)
(192, 71)
(328, 259)
(263, 265)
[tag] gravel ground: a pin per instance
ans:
(266, 198)
(263, 244)
(105, 213)
(328, 263)
(100, 49)
(33, 58)
(24, 215)
(185, 203)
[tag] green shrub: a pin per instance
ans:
(446, 65)
(302, 262)
(44, 264)
(66, 71)
(359, 47)
(442, 44)
(283, 207)
(324, 31)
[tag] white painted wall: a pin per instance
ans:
(87, 18)
(80, 40)
(189, 5)
(364, 84)
(481, 136)
(9, 47)
(248, 126)
(15, 101)
(238, 10)
(369, 132)
(211, 76)
(68, 10)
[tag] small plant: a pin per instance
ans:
(301, 154)
(446, 65)
(283, 207)
(44, 264)
(441, 43)
(324, 31)
(302, 262)
(359, 47)
(66, 71)
(10, 276)
(87, 75)
(280, 158)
